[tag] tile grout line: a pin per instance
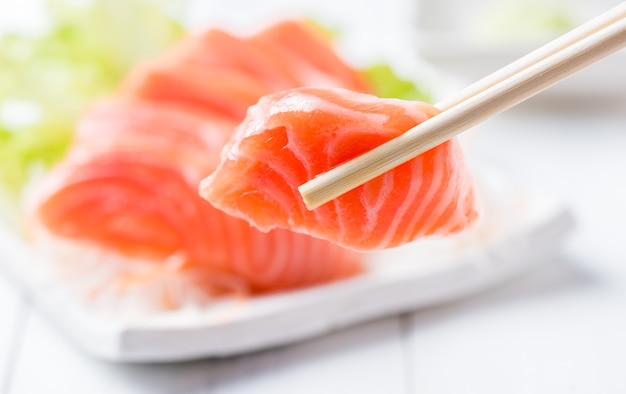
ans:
(407, 355)
(19, 328)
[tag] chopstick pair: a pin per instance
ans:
(489, 96)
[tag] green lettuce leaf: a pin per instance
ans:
(84, 53)
(386, 83)
(383, 79)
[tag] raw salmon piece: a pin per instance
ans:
(226, 91)
(140, 208)
(132, 165)
(219, 49)
(124, 201)
(128, 124)
(135, 203)
(227, 74)
(285, 55)
(290, 137)
(128, 189)
(308, 56)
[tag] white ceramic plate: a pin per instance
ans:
(516, 229)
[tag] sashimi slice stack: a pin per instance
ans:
(121, 215)
(240, 122)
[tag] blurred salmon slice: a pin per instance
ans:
(112, 203)
(103, 117)
(218, 49)
(291, 136)
(129, 188)
(226, 91)
(308, 56)
(126, 124)
(227, 74)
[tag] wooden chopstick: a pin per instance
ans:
(532, 74)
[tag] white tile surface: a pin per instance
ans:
(556, 331)
(561, 328)
(11, 310)
(366, 359)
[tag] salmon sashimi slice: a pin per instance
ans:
(112, 203)
(226, 91)
(110, 118)
(127, 124)
(227, 74)
(291, 136)
(218, 49)
(309, 56)
(129, 201)
(125, 200)
(135, 196)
